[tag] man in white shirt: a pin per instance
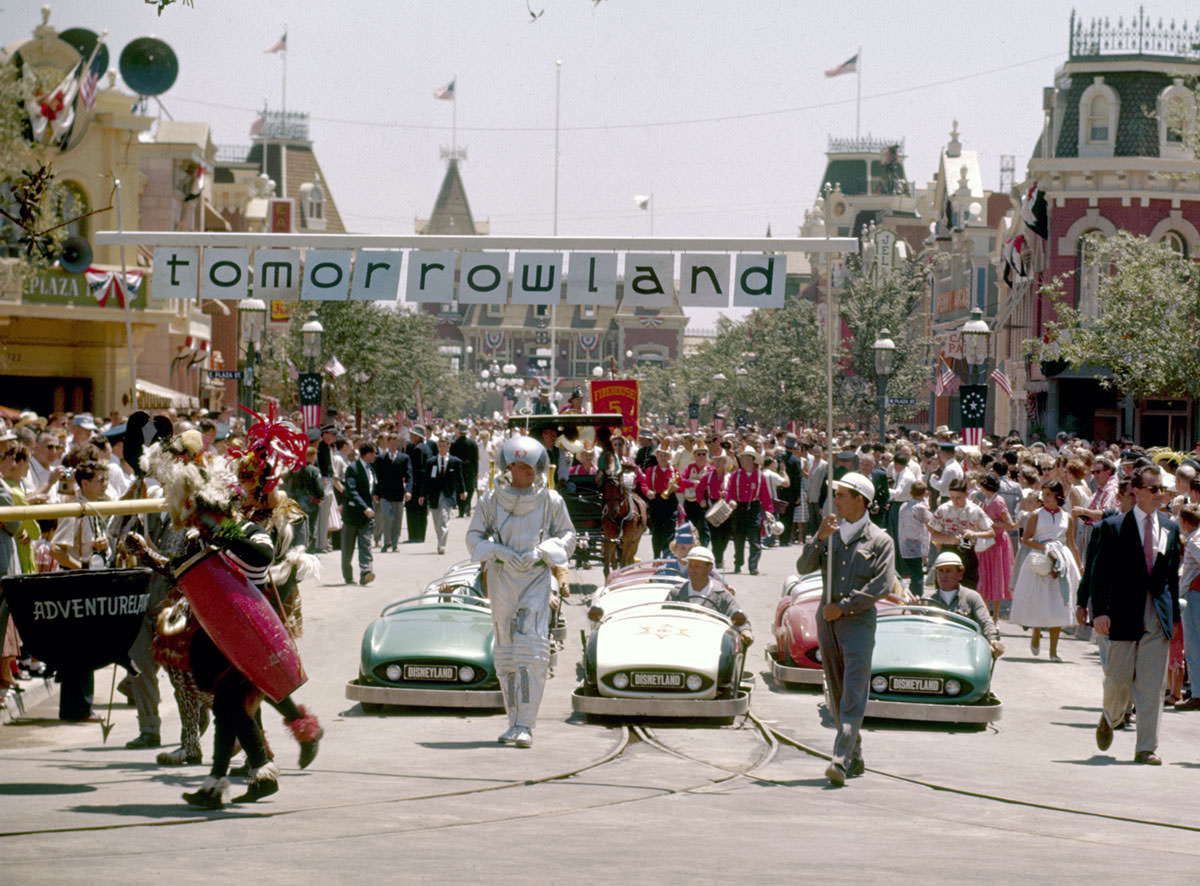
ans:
(951, 469)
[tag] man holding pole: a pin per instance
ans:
(858, 560)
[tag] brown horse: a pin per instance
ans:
(623, 519)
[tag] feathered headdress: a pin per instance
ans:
(273, 447)
(195, 483)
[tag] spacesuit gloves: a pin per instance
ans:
(491, 550)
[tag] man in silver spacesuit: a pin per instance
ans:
(518, 532)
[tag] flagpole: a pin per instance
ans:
(121, 290)
(830, 322)
(554, 304)
(858, 94)
(284, 99)
(454, 120)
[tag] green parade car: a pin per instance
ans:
(431, 650)
(931, 664)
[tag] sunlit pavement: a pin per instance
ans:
(430, 796)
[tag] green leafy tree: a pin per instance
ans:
(895, 301)
(1145, 333)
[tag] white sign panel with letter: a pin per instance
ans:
(482, 278)
(225, 272)
(376, 275)
(592, 278)
(326, 274)
(704, 280)
(649, 280)
(537, 278)
(176, 272)
(430, 276)
(759, 280)
(277, 273)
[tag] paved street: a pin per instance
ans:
(431, 797)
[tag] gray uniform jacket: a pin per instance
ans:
(864, 569)
(967, 602)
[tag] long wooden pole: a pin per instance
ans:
(80, 509)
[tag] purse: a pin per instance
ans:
(982, 544)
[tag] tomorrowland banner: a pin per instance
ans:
(747, 279)
(618, 395)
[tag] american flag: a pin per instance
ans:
(849, 66)
(310, 399)
(89, 87)
(944, 380)
(446, 93)
(1003, 382)
(972, 436)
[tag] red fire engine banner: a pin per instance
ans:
(618, 395)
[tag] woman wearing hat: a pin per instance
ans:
(750, 496)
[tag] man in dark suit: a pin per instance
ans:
(790, 494)
(444, 486)
(358, 514)
(868, 467)
(418, 454)
(466, 450)
(1135, 603)
(393, 467)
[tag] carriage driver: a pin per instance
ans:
(703, 591)
(519, 530)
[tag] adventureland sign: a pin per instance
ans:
(751, 280)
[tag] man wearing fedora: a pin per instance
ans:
(863, 561)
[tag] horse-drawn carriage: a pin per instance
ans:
(608, 515)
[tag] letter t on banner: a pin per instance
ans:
(759, 281)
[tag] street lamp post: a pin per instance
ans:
(885, 363)
(310, 340)
(360, 378)
(975, 335)
(252, 315)
(310, 383)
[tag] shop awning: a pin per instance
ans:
(160, 397)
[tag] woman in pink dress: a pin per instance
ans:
(996, 563)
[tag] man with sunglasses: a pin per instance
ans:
(1135, 603)
(45, 469)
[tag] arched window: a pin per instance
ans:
(312, 204)
(1176, 115)
(1087, 274)
(1097, 119)
(73, 204)
(1176, 242)
(1099, 107)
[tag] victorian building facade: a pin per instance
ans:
(1114, 155)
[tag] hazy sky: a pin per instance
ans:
(719, 109)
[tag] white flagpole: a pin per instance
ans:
(454, 120)
(285, 55)
(858, 92)
(127, 297)
(554, 304)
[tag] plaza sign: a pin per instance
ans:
(750, 280)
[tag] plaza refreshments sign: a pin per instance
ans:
(650, 279)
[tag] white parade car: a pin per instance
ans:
(647, 657)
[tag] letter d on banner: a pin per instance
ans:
(759, 280)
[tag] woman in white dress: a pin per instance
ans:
(1044, 595)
